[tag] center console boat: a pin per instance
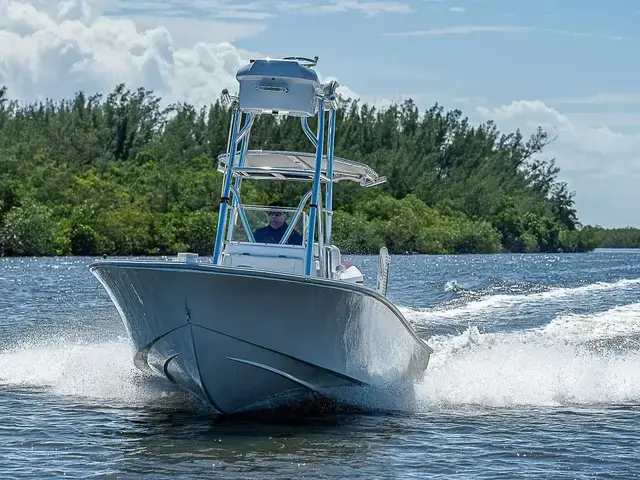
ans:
(274, 314)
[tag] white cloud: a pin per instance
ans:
(601, 164)
(257, 9)
(457, 9)
(47, 56)
(600, 36)
(369, 8)
(579, 147)
(204, 9)
(385, 100)
(601, 98)
(343, 90)
(461, 30)
(624, 121)
(186, 32)
(469, 29)
(599, 154)
(74, 10)
(55, 52)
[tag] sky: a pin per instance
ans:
(569, 66)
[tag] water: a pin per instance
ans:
(536, 374)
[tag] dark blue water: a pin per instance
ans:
(536, 374)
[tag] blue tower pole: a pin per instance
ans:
(313, 207)
(329, 196)
(226, 187)
(246, 131)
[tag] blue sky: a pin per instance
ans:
(566, 65)
(546, 59)
(547, 49)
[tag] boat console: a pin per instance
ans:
(285, 87)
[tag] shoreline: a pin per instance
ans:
(596, 250)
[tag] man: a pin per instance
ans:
(274, 232)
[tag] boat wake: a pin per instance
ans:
(575, 359)
(586, 360)
(88, 372)
(477, 304)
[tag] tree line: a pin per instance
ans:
(122, 174)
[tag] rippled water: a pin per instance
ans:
(536, 374)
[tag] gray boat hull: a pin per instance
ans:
(245, 340)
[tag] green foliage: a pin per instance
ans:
(355, 234)
(410, 226)
(627, 237)
(124, 175)
(31, 229)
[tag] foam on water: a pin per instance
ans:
(621, 322)
(526, 369)
(574, 359)
(83, 370)
(587, 359)
(505, 302)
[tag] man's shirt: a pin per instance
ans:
(274, 235)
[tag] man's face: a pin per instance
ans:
(276, 218)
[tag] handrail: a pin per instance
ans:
(280, 171)
(308, 132)
(243, 216)
(294, 219)
(247, 127)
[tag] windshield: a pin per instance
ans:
(269, 224)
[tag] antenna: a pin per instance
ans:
(304, 61)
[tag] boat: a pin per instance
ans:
(273, 316)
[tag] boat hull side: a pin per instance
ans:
(257, 335)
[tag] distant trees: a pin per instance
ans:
(124, 175)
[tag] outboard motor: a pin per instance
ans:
(384, 261)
